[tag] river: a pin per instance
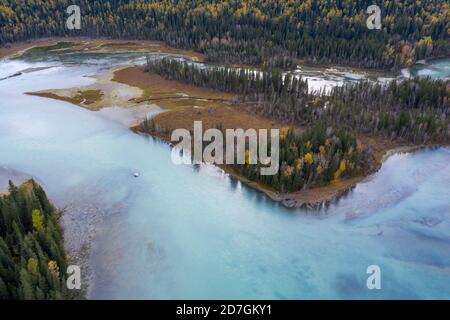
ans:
(179, 232)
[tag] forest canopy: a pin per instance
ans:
(250, 32)
(32, 257)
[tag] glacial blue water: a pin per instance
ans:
(180, 232)
(437, 69)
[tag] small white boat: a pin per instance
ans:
(136, 174)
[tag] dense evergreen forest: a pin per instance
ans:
(32, 256)
(256, 32)
(409, 111)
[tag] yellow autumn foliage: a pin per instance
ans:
(336, 176)
(283, 132)
(342, 166)
(248, 159)
(309, 158)
(322, 150)
(319, 169)
(288, 171)
(53, 268)
(37, 219)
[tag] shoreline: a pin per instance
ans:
(331, 192)
(311, 198)
(103, 93)
(96, 45)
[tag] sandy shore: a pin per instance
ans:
(107, 93)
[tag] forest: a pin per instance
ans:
(252, 32)
(32, 257)
(316, 157)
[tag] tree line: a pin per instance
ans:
(250, 31)
(32, 258)
(247, 82)
(316, 157)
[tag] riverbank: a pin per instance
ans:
(97, 45)
(318, 196)
(226, 114)
(16, 49)
(103, 93)
(313, 197)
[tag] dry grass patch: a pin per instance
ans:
(86, 97)
(167, 94)
(214, 115)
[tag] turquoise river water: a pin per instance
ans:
(180, 232)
